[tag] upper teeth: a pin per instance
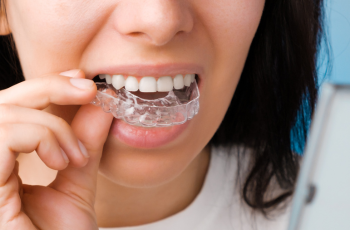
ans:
(148, 83)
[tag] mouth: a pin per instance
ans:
(145, 108)
(150, 110)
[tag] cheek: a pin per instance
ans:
(231, 26)
(46, 21)
(52, 34)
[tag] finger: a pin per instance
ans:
(9, 199)
(62, 130)
(16, 171)
(38, 93)
(26, 138)
(91, 125)
(11, 215)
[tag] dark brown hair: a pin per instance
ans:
(10, 68)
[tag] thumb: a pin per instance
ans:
(91, 126)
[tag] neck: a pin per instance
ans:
(118, 206)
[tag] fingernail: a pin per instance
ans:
(70, 73)
(65, 157)
(81, 83)
(83, 149)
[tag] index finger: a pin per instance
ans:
(38, 93)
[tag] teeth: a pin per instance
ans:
(148, 85)
(193, 77)
(131, 84)
(118, 81)
(178, 81)
(108, 79)
(165, 84)
(188, 79)
(102, 76)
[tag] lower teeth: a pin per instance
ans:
(177, 107)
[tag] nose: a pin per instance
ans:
(153, 21)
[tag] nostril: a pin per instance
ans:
(138, 35)
(135, 34)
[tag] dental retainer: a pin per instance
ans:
(179, 106)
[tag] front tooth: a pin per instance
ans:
(188, 79)
(118, 81)
(165, 84)
(178, 81)
(131, 84)
(108, 79)
(148, 85)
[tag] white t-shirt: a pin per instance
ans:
(219, 205)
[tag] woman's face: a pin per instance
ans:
(142, 38)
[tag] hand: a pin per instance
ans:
(68, 202)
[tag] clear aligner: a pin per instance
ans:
(176, 108)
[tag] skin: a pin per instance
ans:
(56, 36)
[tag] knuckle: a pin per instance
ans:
(61, 122)
(45, 131)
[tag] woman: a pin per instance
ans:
(231, 167)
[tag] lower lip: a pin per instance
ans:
(142, 137)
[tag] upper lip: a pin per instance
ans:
(156, 70)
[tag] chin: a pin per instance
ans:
(145, 168)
